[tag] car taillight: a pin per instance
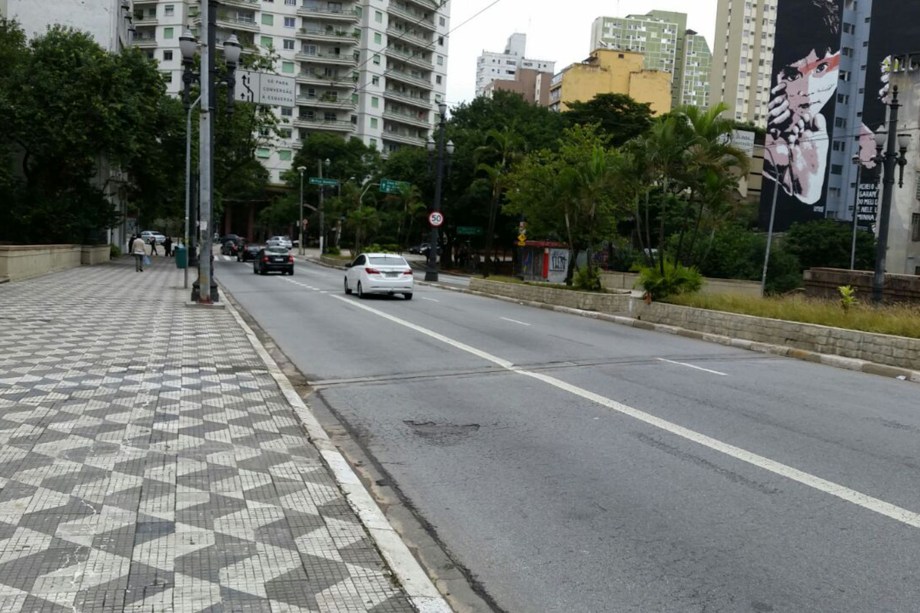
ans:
(372, 271)
(407, 272)
(291, 259)
(264, 258)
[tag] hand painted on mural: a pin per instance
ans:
(797, 139)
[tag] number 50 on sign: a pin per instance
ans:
(435, 218)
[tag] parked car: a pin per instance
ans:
(148, 234)
(422, 249)
(273, 258)
(249, 252)
(229, 237)
(280, 241)
(379, 273)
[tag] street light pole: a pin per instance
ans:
(855, 215)
(888, 159)
(322, 215)
(300, 169)
(766, 258)
(188, 183)
(431, 265)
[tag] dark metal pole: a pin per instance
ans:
(855, 214)
(431, 268)
(889, 157)
(322, 213)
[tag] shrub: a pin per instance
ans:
(114, 251)
(587, 279)
(677, 279)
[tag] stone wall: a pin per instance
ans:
(894, 351)
(823, 283)
(24, 261)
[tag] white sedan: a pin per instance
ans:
(379, 273)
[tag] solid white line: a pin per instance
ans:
(418, 586)
(430, 299)
(715, 372)
(514, 321)
(865, 501)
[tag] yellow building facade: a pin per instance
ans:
(609, 71)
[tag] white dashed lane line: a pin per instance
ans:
(715, 372)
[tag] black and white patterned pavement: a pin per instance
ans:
(146, 467)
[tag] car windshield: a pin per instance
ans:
(276, 251)
(387, 260)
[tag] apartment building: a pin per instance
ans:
(742, 58)
(370, 69)
(506, 65)
(667, 45)
(107, 21)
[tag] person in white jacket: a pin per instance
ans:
(139, 250)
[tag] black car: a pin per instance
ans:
(232, 246)
(248, 252)
(273, 258)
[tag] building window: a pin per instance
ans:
(286, 132)
(168, 33)
(167, 55)
(375, 102)
(915, 227)
(373, 143)
(377, 59)
(263, 152)
(373, 123)
(286, 112)
(437, 79)
(290, 22)
(268, 19)
(378, 38)
(284, 155)
(375, 80)
(378, 17)
(266, 41)
(167, 76)
(169, 10)
(442, 21)
(288, 44)
(440, 60)
(330, 116)
(836, 169)
(290, 2)
(287, 67)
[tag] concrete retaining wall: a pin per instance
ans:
(884, 349)
(627, 280)
(24, 261)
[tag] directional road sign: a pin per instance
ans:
(323, 181)
(389, 186)
(265, 88)
(435, 218)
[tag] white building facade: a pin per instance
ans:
(742, 58)
(494, 66)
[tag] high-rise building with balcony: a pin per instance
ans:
(107, 21)
(370, 69)
(742, 58)
(667, 45)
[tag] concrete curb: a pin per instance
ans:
(836, 361)
(419, 588)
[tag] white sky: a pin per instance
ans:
(556, 30)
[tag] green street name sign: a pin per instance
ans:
(389, 186)
(321, 181)
(469, 230)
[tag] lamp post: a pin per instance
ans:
(188, 46)
(766, 257)
(206, 291)
(858, 164)
(300, 169)
(887, 160)
(322, 216)
(431, 267)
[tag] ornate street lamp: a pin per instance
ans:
(887, 160)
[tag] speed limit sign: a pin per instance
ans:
(435, 218)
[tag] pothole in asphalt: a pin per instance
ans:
(441, 434)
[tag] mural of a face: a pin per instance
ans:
(811, 83)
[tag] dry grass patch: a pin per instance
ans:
(898, 320)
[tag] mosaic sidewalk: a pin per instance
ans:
(149, 462)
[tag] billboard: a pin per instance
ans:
(800, 113)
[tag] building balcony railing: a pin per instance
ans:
(144, 42)
(432, 5)
(405, 77)
(341, 37)
(423, 102)
(326, 58)
(324, 13)
(238, 23)
(406, 139)
(411, 16)
(409, 37)
(337, 125)
(412, 59)
(322, 102)
(146, 20)
(412, 120)
(249, 4)
(309, 78)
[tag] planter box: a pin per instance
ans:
(25, 261)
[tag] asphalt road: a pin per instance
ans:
(570, 464)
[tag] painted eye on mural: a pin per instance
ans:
(822, 67)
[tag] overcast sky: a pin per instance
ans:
(556, 31)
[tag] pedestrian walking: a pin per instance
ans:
(167, 246)
(153, 245)
(139, 251)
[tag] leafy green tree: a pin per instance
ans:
(617, 116)
(503, 147)
(827, 243)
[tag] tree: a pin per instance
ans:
(617, 116)
(502, 149)
(827, 243)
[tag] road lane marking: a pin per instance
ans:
(865, 501)
(514, 321)
(429, 299)
(715, 372)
